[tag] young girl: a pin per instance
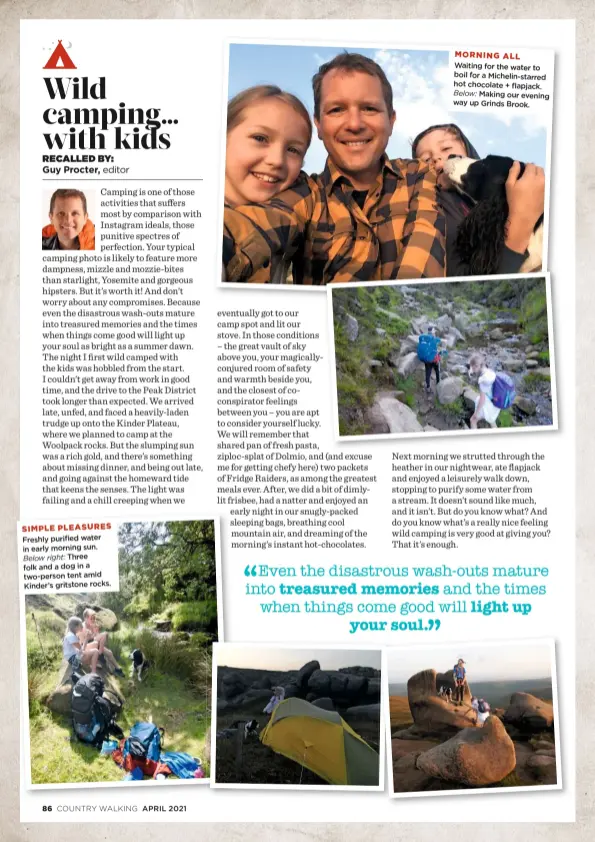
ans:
(268, 134)
(525, 197)
(484, 408)
(75, 650)
(96, 639)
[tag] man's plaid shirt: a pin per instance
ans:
(399, 234)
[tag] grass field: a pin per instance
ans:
(175, 695)
(400, 715)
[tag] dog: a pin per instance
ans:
(140, 664)
(481, 235)
(250, 727)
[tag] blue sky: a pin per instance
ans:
(484, 662)
(277, 658)
(420, 80)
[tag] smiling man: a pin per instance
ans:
(365, 217)
(70, 226)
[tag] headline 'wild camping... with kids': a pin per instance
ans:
(119, 682)
(443, 359)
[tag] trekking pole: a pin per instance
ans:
(39, 638)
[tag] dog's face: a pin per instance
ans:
(481, 179)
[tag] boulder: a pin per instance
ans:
(443, 323)
(408, 364)
(407, 777)
(376, 420)
(292, 691)
(305, 672)
(496, 334)
(433, 714)
(543, 768)
(380, 331)
(532, 355)
(371, 713)
(429, 429)
(319, 682)
(453, 331)
(457, 369)
(162, 625)
(106, 619)
(512, 365)
(528, 713)
(59, 700)
(421, 324)
(232, 685)
(352, 328)
(449, 389)
(373, 689)
(409, 344)
(461, 321)
(532, 364)
(474, 756)
(525, 405)
(375, 364)
(398, 416)
(325, 703)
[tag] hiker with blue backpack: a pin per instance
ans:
(496, 391)
(428, 351)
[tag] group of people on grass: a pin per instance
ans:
(365, 217)
(84, 644)
(477, 368)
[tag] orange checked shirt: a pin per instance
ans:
(400, 233)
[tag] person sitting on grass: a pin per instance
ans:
(484, 408)
(74, 646)
(96, 639)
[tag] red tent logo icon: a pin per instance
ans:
(60, 60)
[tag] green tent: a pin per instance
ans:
(323, 742)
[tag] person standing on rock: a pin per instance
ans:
(484, 408)
(459, 674)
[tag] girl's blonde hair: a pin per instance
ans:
(243, 100)
(88, 612)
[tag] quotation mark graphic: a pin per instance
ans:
(250, 571)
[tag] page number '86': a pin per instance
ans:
(47, 808)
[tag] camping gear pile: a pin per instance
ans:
(94, 710)
(320, 740)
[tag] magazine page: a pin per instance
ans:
(297, 421)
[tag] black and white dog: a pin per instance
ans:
(140, 664)
(481, 234)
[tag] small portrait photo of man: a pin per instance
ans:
(70, 226)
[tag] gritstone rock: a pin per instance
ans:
(449, 389)
(475, 756)
(529, 713)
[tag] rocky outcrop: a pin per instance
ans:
(398, 417)
(408, 364)
(433, 714)
(475, 756)
(352, 328)
(371, 713)
(528, 713)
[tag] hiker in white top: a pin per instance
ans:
(484, 408)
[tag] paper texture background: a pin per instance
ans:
(11, 11)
